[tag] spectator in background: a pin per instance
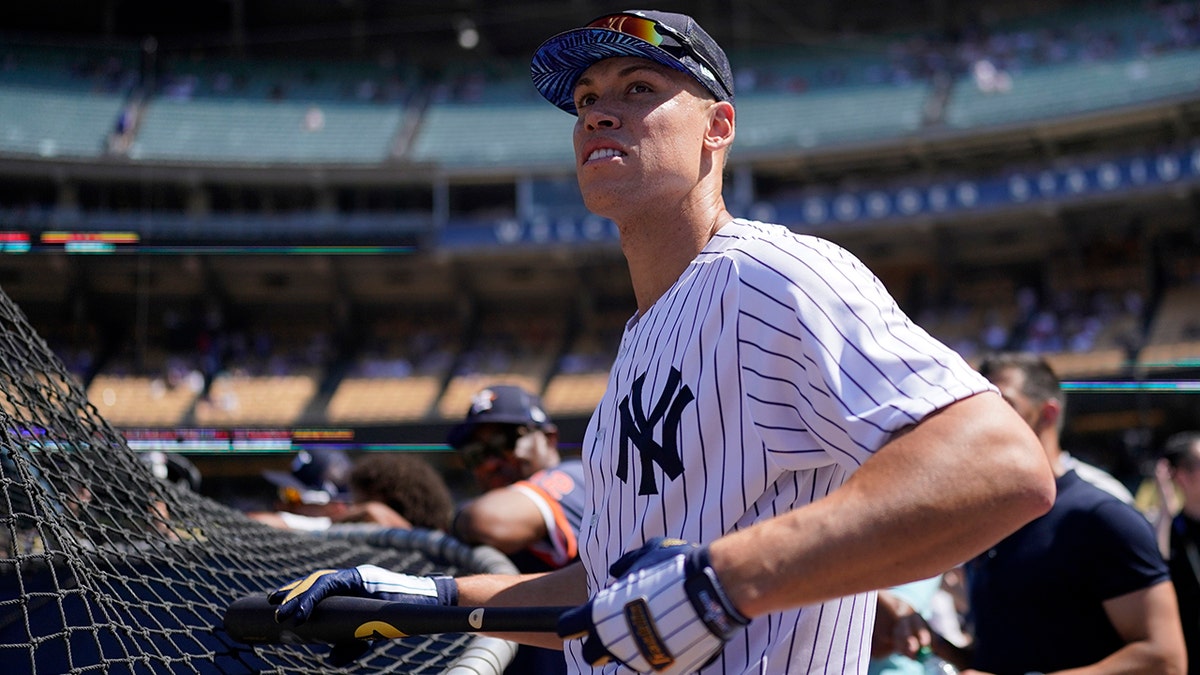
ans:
(1083, 585)
(1181, 458)
(532, 499)
(533, 502)
(325, 487)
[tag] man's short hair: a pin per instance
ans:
(1180, 449)
(1041, 383)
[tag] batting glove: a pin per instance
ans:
(665, 613)
(297, 599)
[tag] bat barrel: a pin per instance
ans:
(251, 620)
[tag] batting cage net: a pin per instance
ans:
(106, 569)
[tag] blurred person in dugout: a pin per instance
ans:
(1178, 477)
(324, 487)
(532, 502)
(1083, 588)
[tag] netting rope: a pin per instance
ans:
(106, 569)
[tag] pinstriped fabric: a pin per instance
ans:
(797, 366)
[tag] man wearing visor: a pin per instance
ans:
(777, 439)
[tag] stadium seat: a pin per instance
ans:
(256, 401)
(1173, 337)
(49, 123)
(1074, 89)
(507, 135)
(140, 401)
(216, 130)
(574, 393)
(367, 400)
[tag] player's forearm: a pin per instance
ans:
(932, 498)
(564, 587)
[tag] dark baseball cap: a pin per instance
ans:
(499, 404)
(674, 40)
(319, 476)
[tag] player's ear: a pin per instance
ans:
(720, 126)
(1051, 412)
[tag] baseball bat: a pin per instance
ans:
(339, 618)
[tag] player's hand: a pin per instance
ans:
(899, 629)
(297, 599)
(665, 613)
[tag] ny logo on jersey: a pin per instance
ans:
(638, 428)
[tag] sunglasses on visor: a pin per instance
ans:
(658, 34)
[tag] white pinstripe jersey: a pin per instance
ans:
(758, 383)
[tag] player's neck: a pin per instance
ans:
(658, 251)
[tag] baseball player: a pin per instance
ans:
(777, 439)
(533, 500)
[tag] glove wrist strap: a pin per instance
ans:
(447, 589)
(708, 597)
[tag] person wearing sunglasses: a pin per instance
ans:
(532, 499)
(777, 439)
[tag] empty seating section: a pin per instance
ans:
(1174, 336)
(574, 393)
(367, 400)
(517, 135)
(214, 130)
(772, 122)
(141, 401)
(56, 122)
(64, 103)
(246, 400)
(1075, 88)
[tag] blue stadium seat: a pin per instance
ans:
(56, 122)
(224, 130)
(1075, 89)
(507, 135)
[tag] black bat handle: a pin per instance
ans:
(251, 620)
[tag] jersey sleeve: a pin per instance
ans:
(558, 495)
(832, 365)
(1123, 538)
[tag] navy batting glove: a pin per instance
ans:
(297, 599)
(665, 613)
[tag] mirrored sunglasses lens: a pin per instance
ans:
(642, 29)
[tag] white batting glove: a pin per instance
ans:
(666, 613)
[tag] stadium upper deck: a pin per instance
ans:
(890, 145)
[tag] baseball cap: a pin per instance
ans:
(674, 40)
(499, 404)
(173, 468)
(318, 476)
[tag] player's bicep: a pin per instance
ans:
(1145, 614)
(503, 519)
